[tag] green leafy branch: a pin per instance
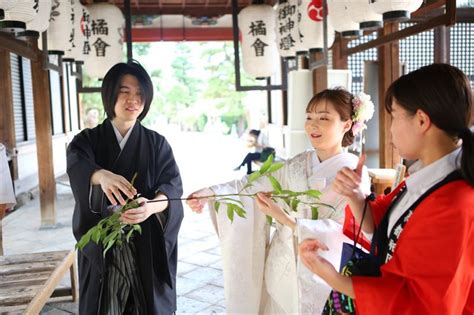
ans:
(112, 231)
(291, 198)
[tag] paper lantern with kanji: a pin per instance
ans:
(259, 51)
(311, 28)
(60, 26)
(287, 33)
(393, 10)
(360, 12)
(41, 21)
(106, 41)
(340, 19)
(81, 23)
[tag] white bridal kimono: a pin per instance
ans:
(265, 276)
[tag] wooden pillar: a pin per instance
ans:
(320, 75)
(7, 123)
(441, 44)
(44, 148)
(339, 60)
(389, 71)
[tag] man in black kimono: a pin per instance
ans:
(138, 277)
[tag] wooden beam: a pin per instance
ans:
(447, 19)
(44, 151)
(396, 36)
(176, 34)
(9, 43)
(320, 74)
(389, 71)
(7, 122)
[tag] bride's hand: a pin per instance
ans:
(267, 206)
(195, 200)
(270, 208)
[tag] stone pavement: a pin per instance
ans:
(200, 282)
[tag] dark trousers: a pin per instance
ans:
(248, 160)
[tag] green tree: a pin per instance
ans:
(183, 96)
(221, 84)
(141, 49)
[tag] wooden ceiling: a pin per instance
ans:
(198, 8)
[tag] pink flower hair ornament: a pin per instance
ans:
(363, 111)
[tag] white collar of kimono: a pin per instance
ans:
(122, 140)
(429, 175)
(323, 172)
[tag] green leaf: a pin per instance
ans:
(129, 234)
(253, 177)
(266, 165)
(96, 235)
(275, 184)
(109, 245)
(288, 192)
(230, 212)
(294, 204)
(138, 228)
(232, 201)
(275, 167)
(314, 213)
(240, 211)
(269, 219)
(217, 204)
(313, 193)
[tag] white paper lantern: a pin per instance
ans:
(5, 5)
(360, 12)
(41, 21)
(393, 10)
(259, 51)
(340, 19)
(76, 38)
(106, 41)
(9, 26)
(287, 33)
(23, 11)
(60, 26)
(311, 26)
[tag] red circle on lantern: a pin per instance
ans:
(315, 10)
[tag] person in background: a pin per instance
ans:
(255, 150)
(91, 120)
(424, 229)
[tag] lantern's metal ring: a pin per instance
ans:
(12, 26)
(370, 25)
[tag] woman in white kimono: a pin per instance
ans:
(263, 276)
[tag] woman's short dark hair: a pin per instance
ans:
(342, 101)
(113, 79)
(444, 93)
